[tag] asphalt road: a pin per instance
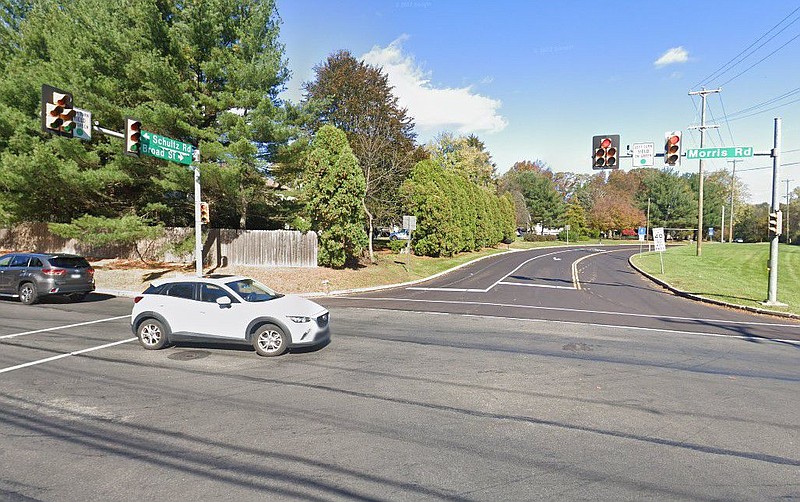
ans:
(485, 384)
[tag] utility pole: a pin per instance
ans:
(733, 191)
(722, 230)
(788, 200)
(703, 92)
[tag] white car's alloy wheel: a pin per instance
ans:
(270, 340)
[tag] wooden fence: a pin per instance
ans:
(222, 247)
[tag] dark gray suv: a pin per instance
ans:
(30, 276)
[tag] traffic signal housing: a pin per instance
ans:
(205, 216)
(775, 222)
(133, 137)
(606, 151)
(57, 112)
(672, 148)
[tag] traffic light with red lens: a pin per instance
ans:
(672, 148)
(606, 151)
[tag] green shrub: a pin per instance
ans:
(532, 237)
(397, 245)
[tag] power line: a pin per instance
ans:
(714, 74)
(725, 116)
(769, 167)
(765, 110)
(760, 60)
(765, 103)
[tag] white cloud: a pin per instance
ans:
(434, 108)
(675, 55)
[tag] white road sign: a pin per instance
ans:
(644, 154)
(83, 125)
(410, 223)
(658, 239)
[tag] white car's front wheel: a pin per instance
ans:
(270, 341)
(151, 334)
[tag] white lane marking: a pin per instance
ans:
(639, 328)
(582, 311)
(575, 281)
(459, 290)
(63, 327)
(525, 263)
(535, 285)
(61, 356)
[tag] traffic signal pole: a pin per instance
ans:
(198, 232)
(703, 93)
(772, 294)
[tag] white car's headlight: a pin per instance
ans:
(299, 319)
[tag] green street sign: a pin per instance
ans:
(733, 152)
(166, 148)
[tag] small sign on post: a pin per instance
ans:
(83, 124)
(660, 244)
(410, 223)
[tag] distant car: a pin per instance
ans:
(31, 276)
(400, 234)
(738, 240)
(227, 308)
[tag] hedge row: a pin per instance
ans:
(453, 213)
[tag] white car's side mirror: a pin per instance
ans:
(224, 301)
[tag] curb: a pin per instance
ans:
(692, 296)
(322, 294)
(367, 289)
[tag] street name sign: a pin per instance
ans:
(644, 154)
(166, 148)
(732, 152)
(658, 239)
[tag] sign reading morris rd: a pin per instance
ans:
(733, 152)
(165, 148)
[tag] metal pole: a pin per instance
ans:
(772, 296)
(722, 230)
(647, 226)
(703, 92)
(788, 200)
(733, 191)
(198, 233)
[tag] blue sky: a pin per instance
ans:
(536, 80)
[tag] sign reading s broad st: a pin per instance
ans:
(166, 148)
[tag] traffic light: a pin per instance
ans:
(775, 222)
(672, 148)
(57, 112)
(205, 217)
(133, 137)
(606, 151)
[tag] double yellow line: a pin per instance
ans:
(575, 281)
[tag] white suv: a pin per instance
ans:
(226, 308)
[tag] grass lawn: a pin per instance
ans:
(730, 272)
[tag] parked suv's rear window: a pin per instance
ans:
(69, 262)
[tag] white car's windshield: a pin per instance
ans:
(252, 291)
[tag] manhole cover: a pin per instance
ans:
(189, 355)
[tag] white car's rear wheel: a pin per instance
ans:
(270, 340)
(152, 334)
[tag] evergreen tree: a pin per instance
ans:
(333, 190)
